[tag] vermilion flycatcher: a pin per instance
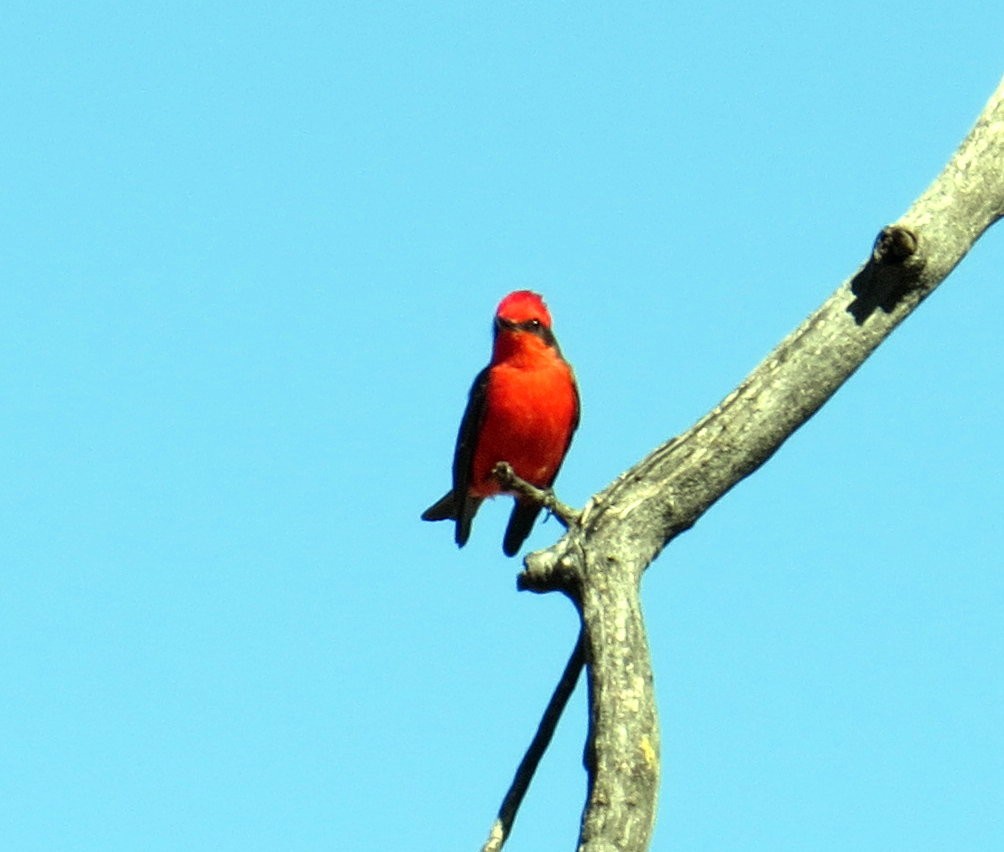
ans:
(523, 409)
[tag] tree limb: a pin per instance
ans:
(542, 739)
(509, 481)
(600, 561)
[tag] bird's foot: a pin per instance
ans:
(507, 478)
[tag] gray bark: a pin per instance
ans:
(600, 561)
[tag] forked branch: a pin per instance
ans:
(622, 529)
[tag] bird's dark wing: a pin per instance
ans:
(463, 457)
(575, 419)
(571, 431)
(442, 510)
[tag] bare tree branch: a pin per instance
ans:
(542, 739)
(599, 562)
(507, 478)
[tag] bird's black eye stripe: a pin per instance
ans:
(536, 327)
(531, 326)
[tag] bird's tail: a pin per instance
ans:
(520, 523)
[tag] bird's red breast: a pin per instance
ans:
(531, 408)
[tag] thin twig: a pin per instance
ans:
(502, 826)
(508, 479)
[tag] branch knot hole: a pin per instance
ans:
(894, 245)
(892, 271)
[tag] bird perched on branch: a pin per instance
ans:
(523, 409)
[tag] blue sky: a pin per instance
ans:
(250, 255)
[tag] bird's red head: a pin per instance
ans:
(523, 306)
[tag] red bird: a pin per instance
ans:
(523, 409)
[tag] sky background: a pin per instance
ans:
(249, 254)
